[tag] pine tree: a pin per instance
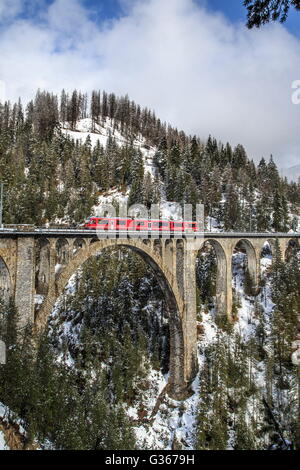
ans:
(232, 210)
(280, 213)
(248, 284)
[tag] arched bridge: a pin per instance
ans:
(41, 263)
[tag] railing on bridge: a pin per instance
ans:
(67, 230)
(19, 227)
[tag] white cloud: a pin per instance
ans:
(9, 9)
(2, 91)
(197, 70)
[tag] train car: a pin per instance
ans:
(139, 225)
(173, 226)
(190, 226)
(159, 226)
(116, 224)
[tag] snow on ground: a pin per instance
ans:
(39, 299)
(148, 154)
(212, 225)
(112, 197)
(2, 410)
(246, 324)
(173, 420)
(101, 133)
(171, 210)
(3, 445)
(68, 330)
(168, 210)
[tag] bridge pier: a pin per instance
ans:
(25, 280)
(229, 298)
(283, 247)
(190, 313)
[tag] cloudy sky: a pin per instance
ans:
(193, 61)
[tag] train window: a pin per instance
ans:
(178, 225)
(155, 224)
(122, 222)
(163, 224)
(103, 222)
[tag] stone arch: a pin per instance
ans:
(157, 246)
(8, 257)
(283, 244)
(42, 266)
(265, 256)
(168, 244)
(78, 244)
(177, 377)
(62, 252)
(267, 247)
(223, 290)
(5, 281)
(245, 246)
(292, 248)
(269, 244)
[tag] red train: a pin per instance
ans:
(138, 225)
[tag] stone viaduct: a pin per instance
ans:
(38, 265)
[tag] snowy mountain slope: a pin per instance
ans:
(101, 133)
(108, 128)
